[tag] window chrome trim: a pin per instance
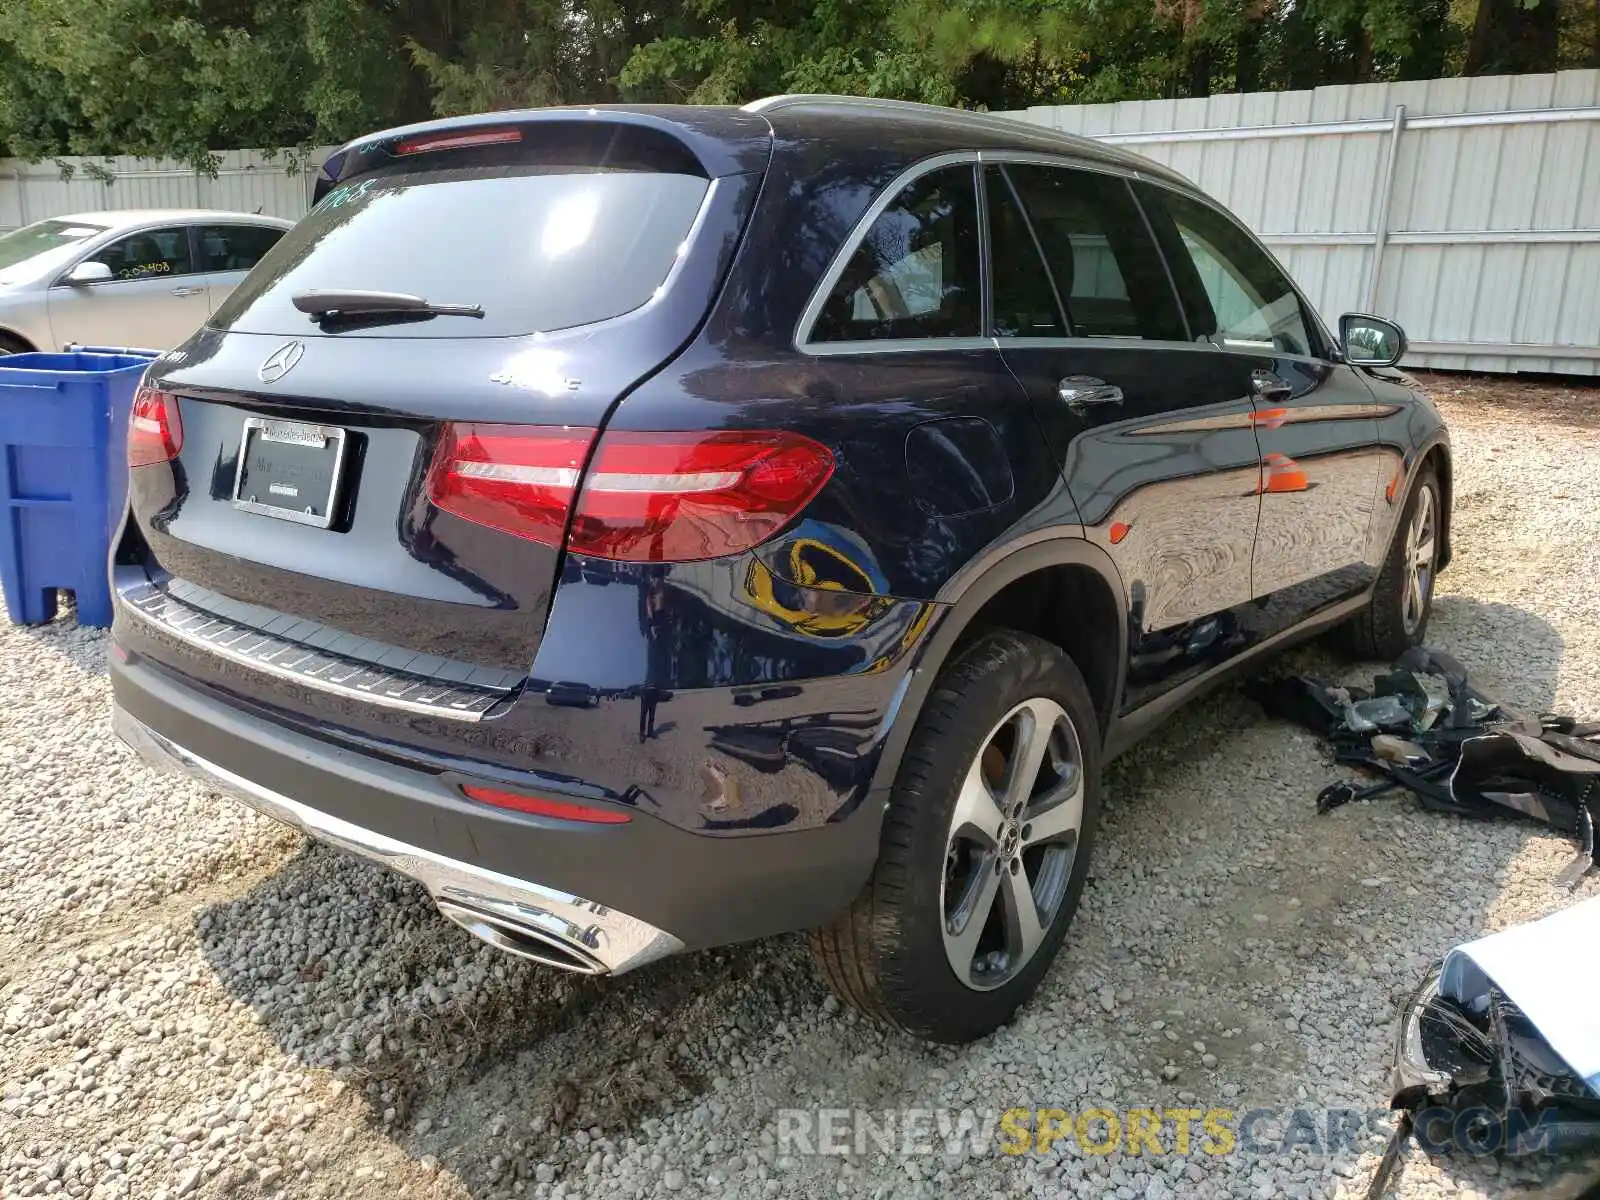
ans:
(1105, 342)
(899, 346)
(880, 203)
(1102, 342)
(852, 243)
(1070, 162)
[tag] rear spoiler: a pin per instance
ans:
(703, 141)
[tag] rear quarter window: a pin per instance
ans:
(540, 248)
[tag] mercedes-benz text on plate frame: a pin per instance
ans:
(281, 361)
(290, 470)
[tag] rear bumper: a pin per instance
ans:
(600, 940)
(590, 898)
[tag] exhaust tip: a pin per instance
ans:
(536, 945)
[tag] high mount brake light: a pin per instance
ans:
(456, 140)
(647, 497)
(155, 431)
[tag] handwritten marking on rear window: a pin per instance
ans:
(347, 194)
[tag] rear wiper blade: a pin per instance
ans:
(321, 304)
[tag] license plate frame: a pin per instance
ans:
(293, 433)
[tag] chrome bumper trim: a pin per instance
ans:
(307, 665)
(595, 939)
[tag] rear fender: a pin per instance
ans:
(977, 587)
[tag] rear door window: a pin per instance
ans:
(539, 246)
(235, 247)
(1105, 264)
(1024, 300)
(916, 273)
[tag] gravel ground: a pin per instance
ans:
(195, 1003)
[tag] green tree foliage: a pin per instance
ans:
(186, 77)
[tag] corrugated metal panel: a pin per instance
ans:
(246, 181)
(1458, 265)
(1493, 228)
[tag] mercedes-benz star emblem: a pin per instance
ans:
(281, 361)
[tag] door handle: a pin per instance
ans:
(186, 291)
(1078, 392)
(1267, 386)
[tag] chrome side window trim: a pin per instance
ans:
(880, 203)
(858, 232)
(1104, 342)
(1038, 158)
(898, 346)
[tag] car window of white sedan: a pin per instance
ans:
(38, 248)
(150, 253)
(235, 247)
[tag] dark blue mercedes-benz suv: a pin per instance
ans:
(652, 528)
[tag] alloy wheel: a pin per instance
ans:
(1421, 557)
(1012, 842)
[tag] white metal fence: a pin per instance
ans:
(1466, 209)
(246, 181)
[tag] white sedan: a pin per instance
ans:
(146, 278)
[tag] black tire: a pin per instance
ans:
(1382, 630)
(13, 345)
(887, 954)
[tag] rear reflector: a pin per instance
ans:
(457, 140)
(155, 431)
(647, 497)
(540, 806)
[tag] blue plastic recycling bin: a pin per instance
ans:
(63, 477)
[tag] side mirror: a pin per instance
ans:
(89, 271)
(1371, 341)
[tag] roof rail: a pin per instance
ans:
(794, 99)
(967, 116)
(808, 99)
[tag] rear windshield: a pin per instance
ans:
(539, 248)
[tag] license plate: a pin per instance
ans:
(289, 470)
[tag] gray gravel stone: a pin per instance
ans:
(195, 1004)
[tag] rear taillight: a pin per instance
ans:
(155, 431)
(676, 497)
(515, 478)
(647, 497)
